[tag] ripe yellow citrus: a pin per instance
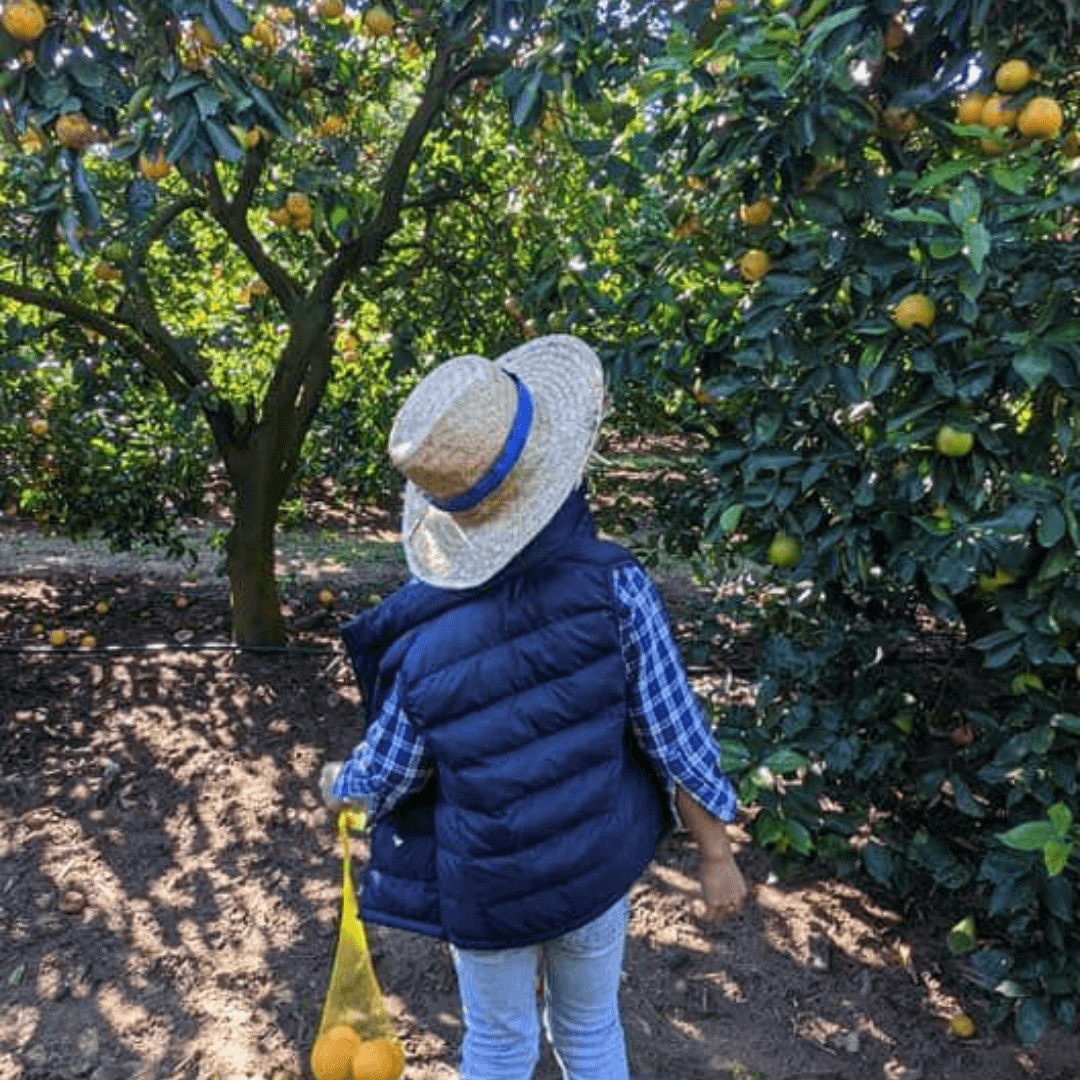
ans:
(23, 20)
(297, 204)
(326, 598)
(88, 641)
(969, 108)
(689, 226)
(755, 264)
(756, 213)
(378, 22)
(280, 216)
(996, 113)
(378, 1059)
(154, 168)
(723, 8)
(330, 9)
(1013, 76)
(106, 272)
(102, 607)
(962, 1026)
(39, 426)
(916, 309)
(951, 442)
(57, 638)
(1040, 118)
(331, 1056)
(74, 131)
(264, 34)
(783, 550)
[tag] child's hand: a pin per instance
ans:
(326, 786)
(723, 888)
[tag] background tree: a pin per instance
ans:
(313, 151)
(883, 342)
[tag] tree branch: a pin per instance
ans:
(232, 217)
(177, 387)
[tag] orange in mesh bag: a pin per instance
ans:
(355, 1039)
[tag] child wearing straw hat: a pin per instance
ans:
(531, 733)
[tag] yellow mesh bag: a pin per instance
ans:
(355, 1039)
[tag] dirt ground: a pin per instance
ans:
(169, 881)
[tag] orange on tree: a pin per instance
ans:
(74, 131)
(997, 113)
(39, 426)
(331, 1056)
(1040, 118)
(204, 35)
(330, 9)
(378, 22)
(297, 204)
(969, 108)
(280, 216)
(1012, 76)
(263, 33)
(894, 37)
(104, 271)
(962, 1026)
(378, 1059)
(23, 20)
(154, 168)
(1071, 144)
(756, 213)
(916, 309)
(755, 264)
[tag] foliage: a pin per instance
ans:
(221, 191)
(824, 411)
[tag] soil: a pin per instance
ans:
(169, 880)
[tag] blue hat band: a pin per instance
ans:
(504, 464)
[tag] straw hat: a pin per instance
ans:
(490, 451)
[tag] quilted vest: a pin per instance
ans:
(542, 809)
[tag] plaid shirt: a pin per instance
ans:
(392, 761)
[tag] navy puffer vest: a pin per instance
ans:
(542, 810)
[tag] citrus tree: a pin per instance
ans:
(154, 151)
(882, 341)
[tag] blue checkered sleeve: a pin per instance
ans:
(389, 764)
(664, 712)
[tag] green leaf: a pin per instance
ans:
(1031, 836)
(734, 756)
(965, 204)
(729, 519)
(1051, 527)
(977, 243)
(879, 861)
(227, 148)
(1032, 367)
(942, 174)
(1031, 1021)
(800, 837)
(1056, 855)
(962, 937)
(784, 761)
(1061, 818)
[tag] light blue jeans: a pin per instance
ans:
(581, 1004)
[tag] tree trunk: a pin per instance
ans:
(249, 560)
(261, 459)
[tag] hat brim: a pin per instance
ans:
(567, 384)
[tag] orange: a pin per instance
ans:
(962, 1026)
(331, 1056)
(280, 216)
(23, 20)
(755, 264)
(916, 309)
(894, 37)
(298, 204)
(264, 34)
(996, 112)
(1071, 145)
(154, 168)
(74, 131)
(379, 1059)
(1013, 76)
(755, 213)
(105, 272)
(330, 9)
(783, 550)
(378, 22)
(1040, 118)
(969, 108)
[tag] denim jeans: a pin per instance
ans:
(581, 1004)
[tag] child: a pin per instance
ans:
(531, 731)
